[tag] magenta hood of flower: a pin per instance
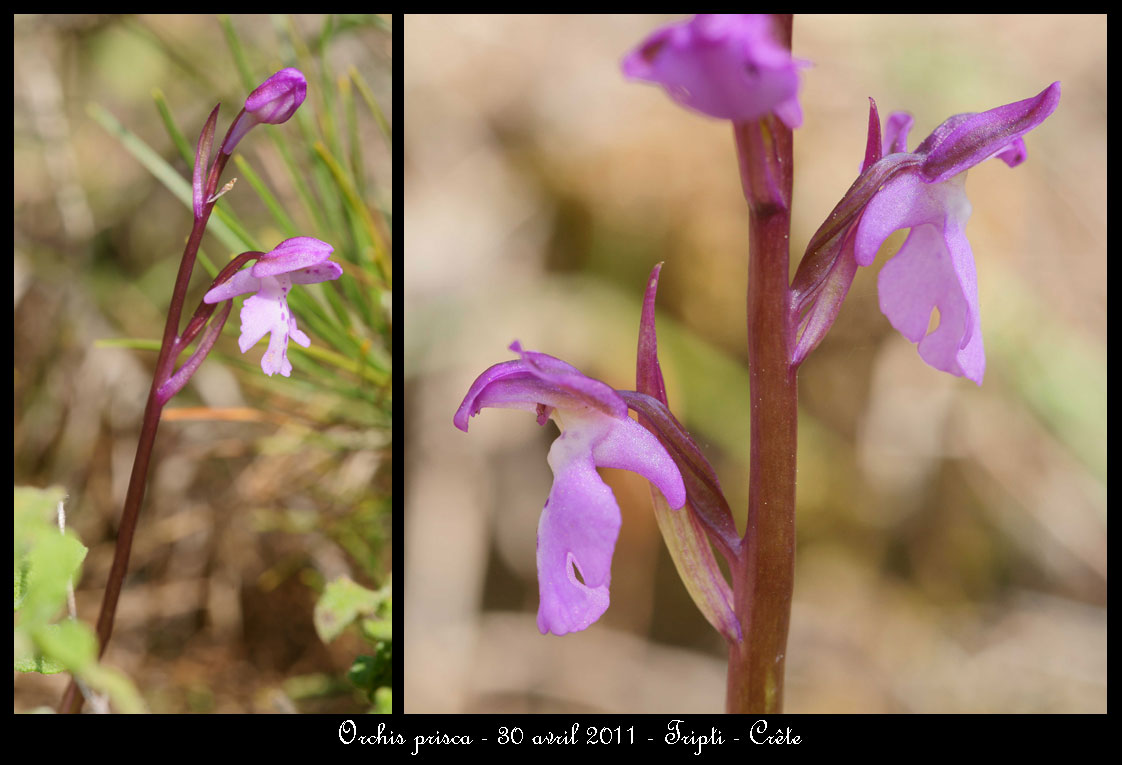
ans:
(925, 191)
(300, 260)
(273, 102)
(580, 523)
(727, 66)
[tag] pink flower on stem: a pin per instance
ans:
(580, 522)
(925, 191)
(727, 66)
(301, 260)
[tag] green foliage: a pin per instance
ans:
(345, 603)
(46, 561)
(373, 675)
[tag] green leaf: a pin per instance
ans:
(38, 664)
(45, 559)
(369, 673)
(72, 644)
(343, 601)
(377, 629)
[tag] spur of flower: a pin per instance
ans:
(727, 66)
(923, 190)
(580, 522)
(301, 260)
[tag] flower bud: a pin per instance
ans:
(727, 66)
(274, 102)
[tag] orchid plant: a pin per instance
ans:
(740, 68)
(298, 260)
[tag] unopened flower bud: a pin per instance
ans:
(274, 102)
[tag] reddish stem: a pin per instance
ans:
(763, 577)
(165, 364)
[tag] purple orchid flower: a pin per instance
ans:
(580, 522)
(922, 190)
(273, 102)
(727, 66)
(301, 260)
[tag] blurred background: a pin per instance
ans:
(261, 489)
(951, 538)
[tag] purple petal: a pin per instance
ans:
(275, 358)
(510, 385)
(537, 380)
(292, 255)
(904, 201)
(967, 139)
(241, 283)
(703, 489)
(472, 403)
(578, 526)
(896, 131)
(627, 445)
(566, 377)
(324, 272)
(580, 522)
(265, 312)
(1013, 154)
(933, 269)
(297, 335)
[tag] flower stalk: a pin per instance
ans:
(763, 576)
(138, 479)
(273, 102)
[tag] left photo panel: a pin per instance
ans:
(203, 363)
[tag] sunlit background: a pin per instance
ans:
(951, 539)
(261, 489)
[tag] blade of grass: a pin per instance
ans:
(350, 113)
(277, 210)
(161, 170)
(372, 105)
(358, 209)
(238, 52)
(186, 151)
